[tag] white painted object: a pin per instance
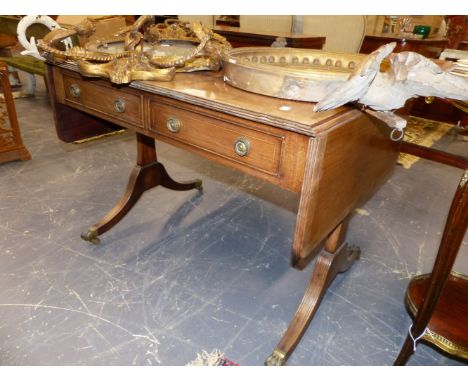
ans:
(410, 75)
(30, 46)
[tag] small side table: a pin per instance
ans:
(438, 301)
(11, 144)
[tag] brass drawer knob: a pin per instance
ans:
(119, 105)
(173, 124)
(429, 99)
(242, 146)
(75, 90)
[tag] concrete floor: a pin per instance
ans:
(187, 271)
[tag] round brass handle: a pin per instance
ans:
(75, 90)
(119, 105)
(242, 146)
(173, 124)
(429, 99)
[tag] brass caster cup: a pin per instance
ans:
(277, 358)
(91, 235)
(199, 185)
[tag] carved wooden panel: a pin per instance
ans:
(11, 144)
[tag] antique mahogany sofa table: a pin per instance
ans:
(334, 160)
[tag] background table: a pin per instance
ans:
(239, 37)
(430, 47)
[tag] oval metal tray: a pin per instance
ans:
(289, 73)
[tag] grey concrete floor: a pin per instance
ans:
(187, 272)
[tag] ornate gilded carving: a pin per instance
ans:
(6, 132)
(141, 51)
(125, 70)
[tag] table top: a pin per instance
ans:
(208, 89)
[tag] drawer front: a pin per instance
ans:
(103, 100)
(260, 150)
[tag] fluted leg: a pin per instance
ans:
(328, 265)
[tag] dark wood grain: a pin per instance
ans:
(450, 317)
(344, 167)
(434, 155)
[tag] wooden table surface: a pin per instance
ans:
(209, 90)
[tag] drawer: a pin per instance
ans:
(230, 139)
(103, 100)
